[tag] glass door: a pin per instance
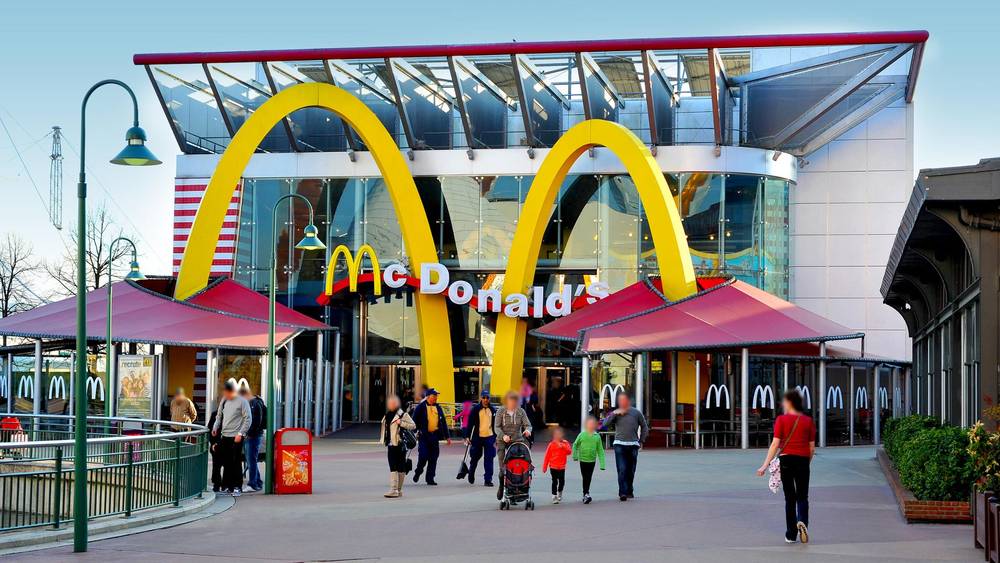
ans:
(376, 388)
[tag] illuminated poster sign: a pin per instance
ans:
(135, 386)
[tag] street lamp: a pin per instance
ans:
(135, 153)
(133, 275)
(310, 241)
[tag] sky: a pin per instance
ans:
(52, 52)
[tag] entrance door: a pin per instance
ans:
(561, 399)
(404, 383)
(376, 390)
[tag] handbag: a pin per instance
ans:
(407, 438)
(774, 468)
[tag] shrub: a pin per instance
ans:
(984, 453)
(899, 431)
(935, 465)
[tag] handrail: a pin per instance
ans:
(195, 430)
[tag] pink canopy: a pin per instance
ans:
(728, 314)
(145, 316)
(226, 295)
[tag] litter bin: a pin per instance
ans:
(293, 461)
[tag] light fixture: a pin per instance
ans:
(134, 274)
(310, 240)
(135, 152)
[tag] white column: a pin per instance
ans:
(309, 396)
(853, 406)
(289, 390)
(585, 391)
(877, 395)
(112, 368)
(318, 388)
(338, 384)
(784, 381)
(697, 404)
(907, 405)
(673, 389)
(38, 392)
(640, 381)
(9, 371)
(745, 398)
(821, 395)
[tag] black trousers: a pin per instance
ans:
(230, 453)
(587, 472)
(558, 480)
(216, 467)
(795, 484)
(397, 458)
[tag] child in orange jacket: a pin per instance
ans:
(555, 458)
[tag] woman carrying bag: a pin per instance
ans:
(787, 460)
(394, 423)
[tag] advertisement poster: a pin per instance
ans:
(135, 384)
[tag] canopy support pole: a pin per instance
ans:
(822, 395)
(854, 405)
(673, 392)
(877, 396)
(784, 375)
(640, 381)
(36, 395)
(10, 384)
(289, 391)
(744, 398)
(697, 404)
(338, 384)
(585, 392)
(318, 389)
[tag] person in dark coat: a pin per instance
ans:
(432, 427)
(481, 439)
(213, 443)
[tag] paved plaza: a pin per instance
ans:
(690, 506)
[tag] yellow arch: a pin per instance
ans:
(432, 316)
(669, 240)
(353, 262)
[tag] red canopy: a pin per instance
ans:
(145, 316)
(731, 314)
(226, 295)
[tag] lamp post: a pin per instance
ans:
(135, 153)
(310, 241)
(133, 275)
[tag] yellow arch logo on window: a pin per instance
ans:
(432, 316)
(353, 263)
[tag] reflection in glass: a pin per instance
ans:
(366, 81)
(192, 107)
(700, 210)
(243, 88)
(742, 221)
(544, 106)
(429, 104)
(499, 209)
(485, 106)
(314, 129)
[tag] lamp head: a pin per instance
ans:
(135, 152)
(310, 240)
(134, 274)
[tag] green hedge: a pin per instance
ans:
(933, 460)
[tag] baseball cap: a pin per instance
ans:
(431, 391)
(484, 394)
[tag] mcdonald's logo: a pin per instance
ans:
(764, 393)
(353, 263)
(720, 391)
(861, 398)
(612, 392)
(26, 388)
(806, 398)
(57, 388)
(834, 397)
(95, 388)
(243, 384)
(669, 240)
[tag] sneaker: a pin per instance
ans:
(587, 499)
(559, 494)
(256, 489)
(237, 492)
(803, 532)
(216, 489)
(488, 484)
(434, 483)
(472, 479)
(789, 540)
(416, 475)
(623, 498)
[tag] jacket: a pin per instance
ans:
(505, 424)
(472, 429)
(629, 427)
(258, 417)
(556, 454)
(588, 448)
(233, 418)
(420, 419)
(404, 420)
(183, 411)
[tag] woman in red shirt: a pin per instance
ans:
(795, 443)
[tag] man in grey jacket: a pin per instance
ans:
(631, 432)
(232, 421)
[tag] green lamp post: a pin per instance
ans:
(133, 275)
(135, 153)
(310, 241)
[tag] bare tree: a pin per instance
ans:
(101, 230)
(18, 271)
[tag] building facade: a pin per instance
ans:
(789, 159)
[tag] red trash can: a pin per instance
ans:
(292, 461)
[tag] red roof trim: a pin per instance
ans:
(539, 47)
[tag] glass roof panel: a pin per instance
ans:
(243, 88)
(314, 129)
(191, 107)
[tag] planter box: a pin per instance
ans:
(993, 531)
(980, 515)
(914, 510)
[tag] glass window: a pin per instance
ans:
(774, 254)
(243, 88)
(619, 230)
(578, 212)
(460, 197)
(192, 108)
(313, 129)
(367, 81)
(701, 209)
(429, 101)
(602, 99)
(742, 222)
(543, 106)
(662, 101)
(382, 229)
(499, 209)
(486, 107)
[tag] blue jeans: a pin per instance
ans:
(428, 449)
(626, 458)
(482, 448)
(251, 447)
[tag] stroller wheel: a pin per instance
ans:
(530, 505)
(504, 505)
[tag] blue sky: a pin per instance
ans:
(51, 52)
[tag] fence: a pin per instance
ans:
(132, 465)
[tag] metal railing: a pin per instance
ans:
(132, 465)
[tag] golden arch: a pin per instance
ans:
(196, 263)
(669, 240)
(353, 263)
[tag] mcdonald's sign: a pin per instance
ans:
(806, 397)
(765, 394)
(353, 263)
(57, 387)
(834, 397)
(612, 392)
(667, 233)
(95, 388)
(719, 391)
(26, 387)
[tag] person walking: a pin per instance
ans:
(395, 418)
(510, 425)
(432, 427)
(232, 422)
(251, 446)
(213, 448)
(555, 459)
(794, 444)
(182, 409)
(588, 449)
(480, 438)
(631, 432)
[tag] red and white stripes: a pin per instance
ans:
(188, 193)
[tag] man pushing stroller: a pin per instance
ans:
(510, 425)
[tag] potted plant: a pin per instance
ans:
(984, 451)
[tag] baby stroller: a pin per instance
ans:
(517, 470)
